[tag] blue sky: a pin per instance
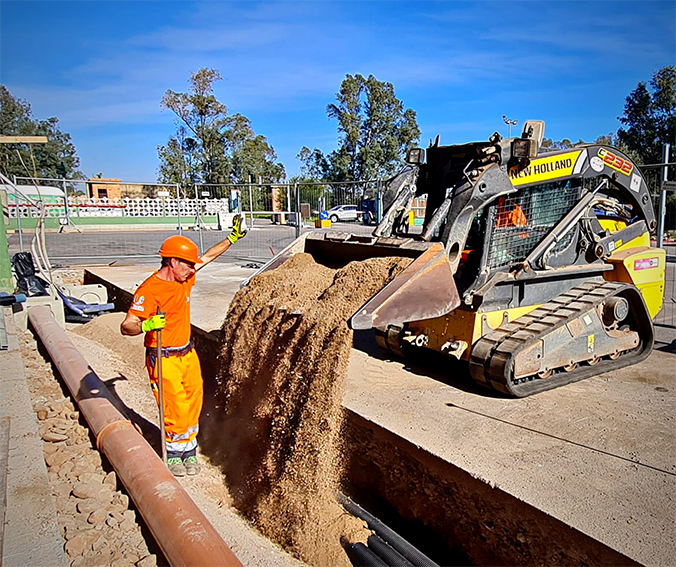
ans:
(102, 67)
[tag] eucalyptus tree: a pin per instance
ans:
(211, 146)
(374, 128)
(649, 117)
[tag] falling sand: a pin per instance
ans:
(283, 365)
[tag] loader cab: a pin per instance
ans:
(507, 230)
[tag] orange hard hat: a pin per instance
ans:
(180, 247)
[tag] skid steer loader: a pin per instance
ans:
(534, 267)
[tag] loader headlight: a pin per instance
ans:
(415, 156)
(524, 148)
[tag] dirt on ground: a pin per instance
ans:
(94, 514)
(119, 362)
(286, 345)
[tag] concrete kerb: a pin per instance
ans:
(31, 534)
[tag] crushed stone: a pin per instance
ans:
(94, 517)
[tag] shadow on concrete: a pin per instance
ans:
(426, 363)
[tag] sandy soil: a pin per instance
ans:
(286, 346)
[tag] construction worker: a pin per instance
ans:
(167, 291)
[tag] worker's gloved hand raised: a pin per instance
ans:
(237, 230)
(155, 323)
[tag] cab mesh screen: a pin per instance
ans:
(520, 221)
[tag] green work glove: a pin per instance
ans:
(237, 231)
(155, 323)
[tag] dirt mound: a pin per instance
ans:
(283, 364)
(105, 330)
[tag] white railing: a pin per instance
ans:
(125, 207)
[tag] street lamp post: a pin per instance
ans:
(509, 123)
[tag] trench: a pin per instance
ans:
(449, 515)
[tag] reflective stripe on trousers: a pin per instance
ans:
(182, 392)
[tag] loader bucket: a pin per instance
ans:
(424, 290)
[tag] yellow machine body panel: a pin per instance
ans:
(617, 225)
(612, 225)
(462, 325)
(643, 267)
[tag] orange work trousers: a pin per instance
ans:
(182, 393)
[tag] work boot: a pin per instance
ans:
(191, 465)
(176, 467)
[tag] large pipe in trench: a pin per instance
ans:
(180, 528)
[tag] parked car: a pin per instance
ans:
(344, 213)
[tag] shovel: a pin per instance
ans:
(159, 383)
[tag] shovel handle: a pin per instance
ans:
(161, 395)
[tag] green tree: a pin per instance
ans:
(374, 128)
(314, 166)
(16, 119)
(650, 117)
(210, 146)
(180, 161)
(549, 144)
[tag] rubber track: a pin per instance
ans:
(492, 358)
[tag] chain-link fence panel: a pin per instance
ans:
(96, 220)
(343, 207)
(104, 220)
(664, 200)
(267, 214)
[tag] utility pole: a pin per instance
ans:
(509, 123)
(662, 212)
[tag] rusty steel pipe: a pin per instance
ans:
(180, 528)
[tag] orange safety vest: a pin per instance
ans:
(505, 218)
(173, 299)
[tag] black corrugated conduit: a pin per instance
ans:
(386, 552)
(415, 557)
(362, 556)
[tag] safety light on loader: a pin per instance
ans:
(524, 148)
(415, 156)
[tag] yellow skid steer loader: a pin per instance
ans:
(534, 267)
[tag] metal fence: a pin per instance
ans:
(659, 178)
(101, 221)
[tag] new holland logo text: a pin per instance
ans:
(615, 161)
(544, 169)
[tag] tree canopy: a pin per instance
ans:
(16, 119)
(650, 117)
(374, 130)
(549, 144)
(210, 146)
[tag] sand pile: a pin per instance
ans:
(283, 365)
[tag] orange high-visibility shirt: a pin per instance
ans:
(173, 299)
(505, 218)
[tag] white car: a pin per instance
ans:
(344, 213)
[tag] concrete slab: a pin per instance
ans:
(31, 535)
(598, 456)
